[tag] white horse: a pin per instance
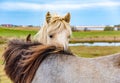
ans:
(56, 31)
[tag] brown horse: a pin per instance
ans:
(24, 57)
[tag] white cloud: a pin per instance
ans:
(53, 6)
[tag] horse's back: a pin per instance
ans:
(71, 69)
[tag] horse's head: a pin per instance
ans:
(56, 31)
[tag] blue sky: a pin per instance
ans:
(83, 12)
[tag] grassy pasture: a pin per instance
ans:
(16, 32)
(94, 51)
(95, 34)
(3, 77)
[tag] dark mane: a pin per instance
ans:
(22, 59)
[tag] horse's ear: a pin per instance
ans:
(67, 17)
(28, 39)
(48, 17)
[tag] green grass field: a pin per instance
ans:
(82, 51)
(94, 51)
(83, 34)
(12, 32)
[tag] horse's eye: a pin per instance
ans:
(69, 36)
(51, 36)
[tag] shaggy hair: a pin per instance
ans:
(55, 24)
(22, 59)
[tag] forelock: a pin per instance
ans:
(58, 24)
